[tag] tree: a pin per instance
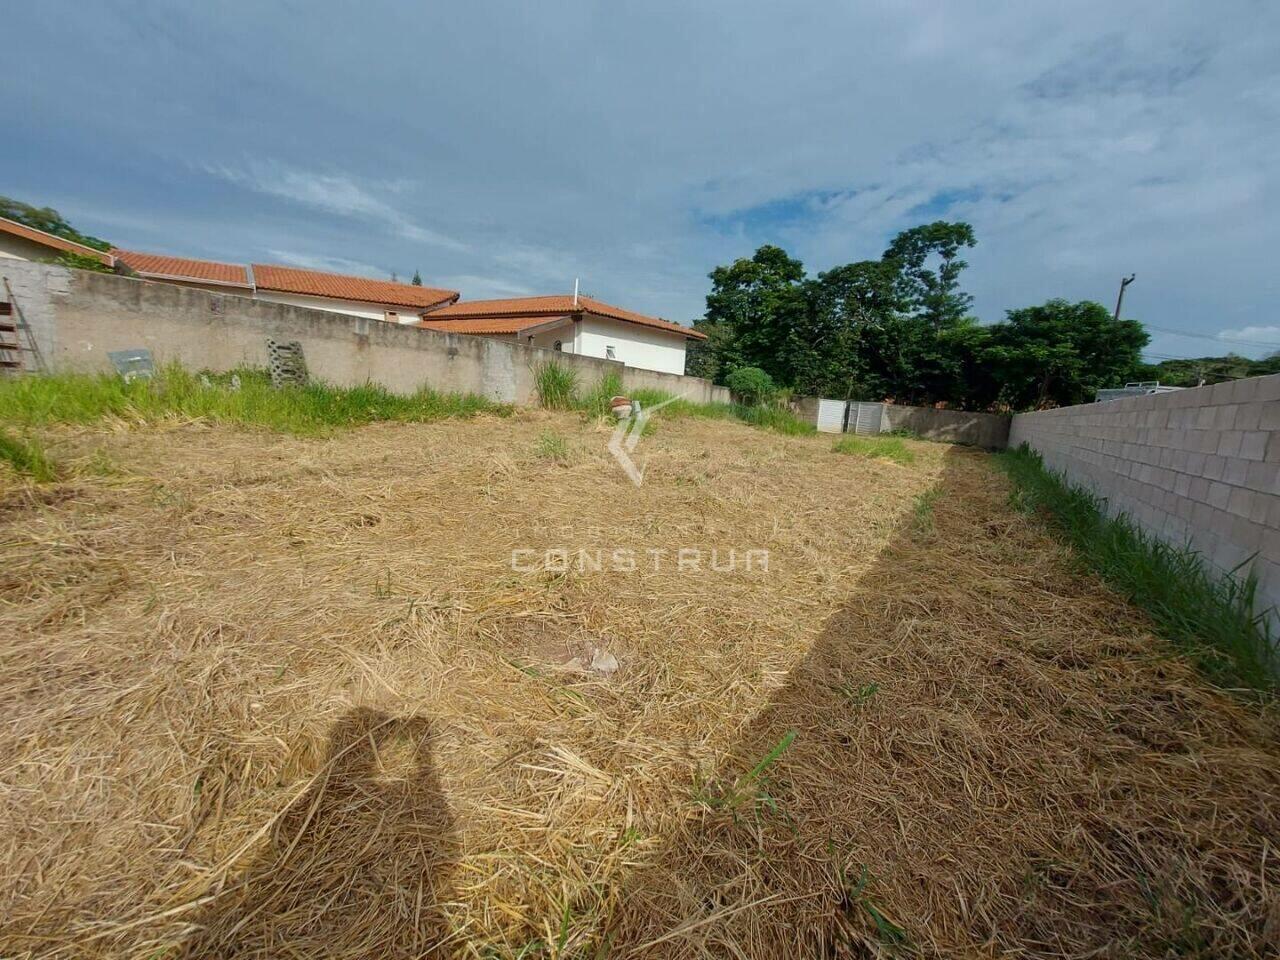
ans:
(417, 279)
(1061, 353)
(757, 301)
(48, 220)
(933, 294)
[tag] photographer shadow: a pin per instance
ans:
(357, 866)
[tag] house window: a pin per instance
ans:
(608, 352)
(557, 346)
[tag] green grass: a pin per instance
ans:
(552, 446)
(557, 386)
(315, 409)
(1211, 617)
(595, 402)
(882, 448)
(27, 457)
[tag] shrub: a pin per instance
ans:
(751, 385)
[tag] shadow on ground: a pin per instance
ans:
(358, 864)
(990, 754)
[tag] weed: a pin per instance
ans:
(27, 457)
(557, 386)
(595, 403)
(1211, 617)
(754, 786)
(553, 447)
(857, 695)
(883, 448)
(856, 895)
(922, 510)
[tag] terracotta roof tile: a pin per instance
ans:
(54, 242)
(341, 287)
(183, 268)
(481, 326)
(553, 306)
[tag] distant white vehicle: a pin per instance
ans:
(1134, 389)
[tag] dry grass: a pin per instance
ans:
(268, 696)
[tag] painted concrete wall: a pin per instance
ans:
(634, 345)
(1197, 466)
(77, 316)
(987, 430)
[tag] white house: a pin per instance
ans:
(20, 242)
(579, 324)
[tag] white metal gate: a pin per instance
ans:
(830, 416)
(865, 418)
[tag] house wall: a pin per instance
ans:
(1198, 466)
(20, 248)
(354, 308)
(77, 316)
(230, 289)
(546, 339)
(636, 346)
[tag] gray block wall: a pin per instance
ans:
(1198, 467)
(78, 316)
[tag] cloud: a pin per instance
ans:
(309, 261)
(332, 193)
(1268, 336)
(477, 287)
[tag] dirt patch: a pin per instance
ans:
(270, 696)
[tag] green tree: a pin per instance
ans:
(934, 294)
(757, 302)
(417, 279)
(48, 220)
(1061, 353)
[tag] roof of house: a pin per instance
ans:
(339, 286)
(483, 326)
(549, 307)
(184, 268)
(53, 241)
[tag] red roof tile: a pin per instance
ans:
(183, 268)
(482, 326)
(338, 286)
(54, 242)
(553, 306)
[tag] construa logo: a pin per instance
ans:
(627, 434)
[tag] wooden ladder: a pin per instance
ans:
(19, 352)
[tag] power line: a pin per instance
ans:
(1206, 336)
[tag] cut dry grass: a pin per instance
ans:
(272, 696)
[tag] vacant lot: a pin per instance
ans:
(265, 696)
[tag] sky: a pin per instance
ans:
(505, 149)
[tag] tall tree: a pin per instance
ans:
(417, 279)
(934, 294)
(757, 302)
(1061, 353)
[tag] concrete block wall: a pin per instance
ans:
(1198, 467)
(78, 316)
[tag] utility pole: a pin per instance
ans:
(1124, 282)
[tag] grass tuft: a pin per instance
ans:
(554, 447)
(27, 457)
(1210, 616)
(557, 386)
(880, 448)
(315, 409)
